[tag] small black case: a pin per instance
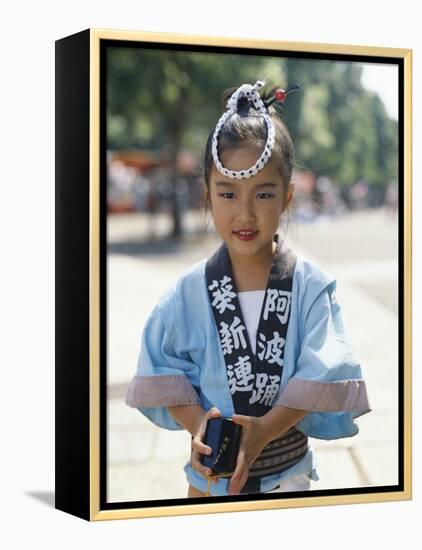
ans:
(223, 436)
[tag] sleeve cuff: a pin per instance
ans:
(161, 391)
(309, 395)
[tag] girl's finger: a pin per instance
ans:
(240, 474)
(242, 419)
(213, 413)
(238, 484)
(200, 447)
(240, 465)
(199, 467)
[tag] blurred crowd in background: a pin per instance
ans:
(161, 106)
(136, 186)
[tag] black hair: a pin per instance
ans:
(247, 127)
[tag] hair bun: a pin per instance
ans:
(243, 106)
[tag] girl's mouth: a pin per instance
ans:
(245, 235)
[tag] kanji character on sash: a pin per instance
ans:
(260, 381)
(271, 349)
(223, 294)
(266, 388)
(241, 377)
(232, 336)
(278, 301)
(271, 390)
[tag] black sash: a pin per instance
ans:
(254, 380)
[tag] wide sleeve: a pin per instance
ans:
(165, 374)
(327, 380)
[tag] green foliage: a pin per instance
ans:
(168, 100)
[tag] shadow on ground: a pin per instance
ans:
(46, 497)
(155, 247)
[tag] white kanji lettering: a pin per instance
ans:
(278, 301)
(271, 390)
(223, 294)
(232, 336)
(265, 390)
(271, 350)
(226, 338)
(260, 382)
(241, 377)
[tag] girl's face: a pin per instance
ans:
(247, 212)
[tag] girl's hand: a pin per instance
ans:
(199, 448)
(252, 441)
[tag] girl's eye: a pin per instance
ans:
(265, 195)
(231, 195)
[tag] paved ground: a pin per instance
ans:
(145, 462)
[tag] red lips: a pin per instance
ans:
(245, 234)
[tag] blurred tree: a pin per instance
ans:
(166, 100)
(161, 99)
(341, 130)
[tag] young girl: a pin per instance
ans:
(254, 333)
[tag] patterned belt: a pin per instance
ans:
(280, 454)
(277, 456)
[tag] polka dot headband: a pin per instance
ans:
(251, 93)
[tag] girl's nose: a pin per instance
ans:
(246, 212)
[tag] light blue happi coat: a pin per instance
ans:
(181, 362)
